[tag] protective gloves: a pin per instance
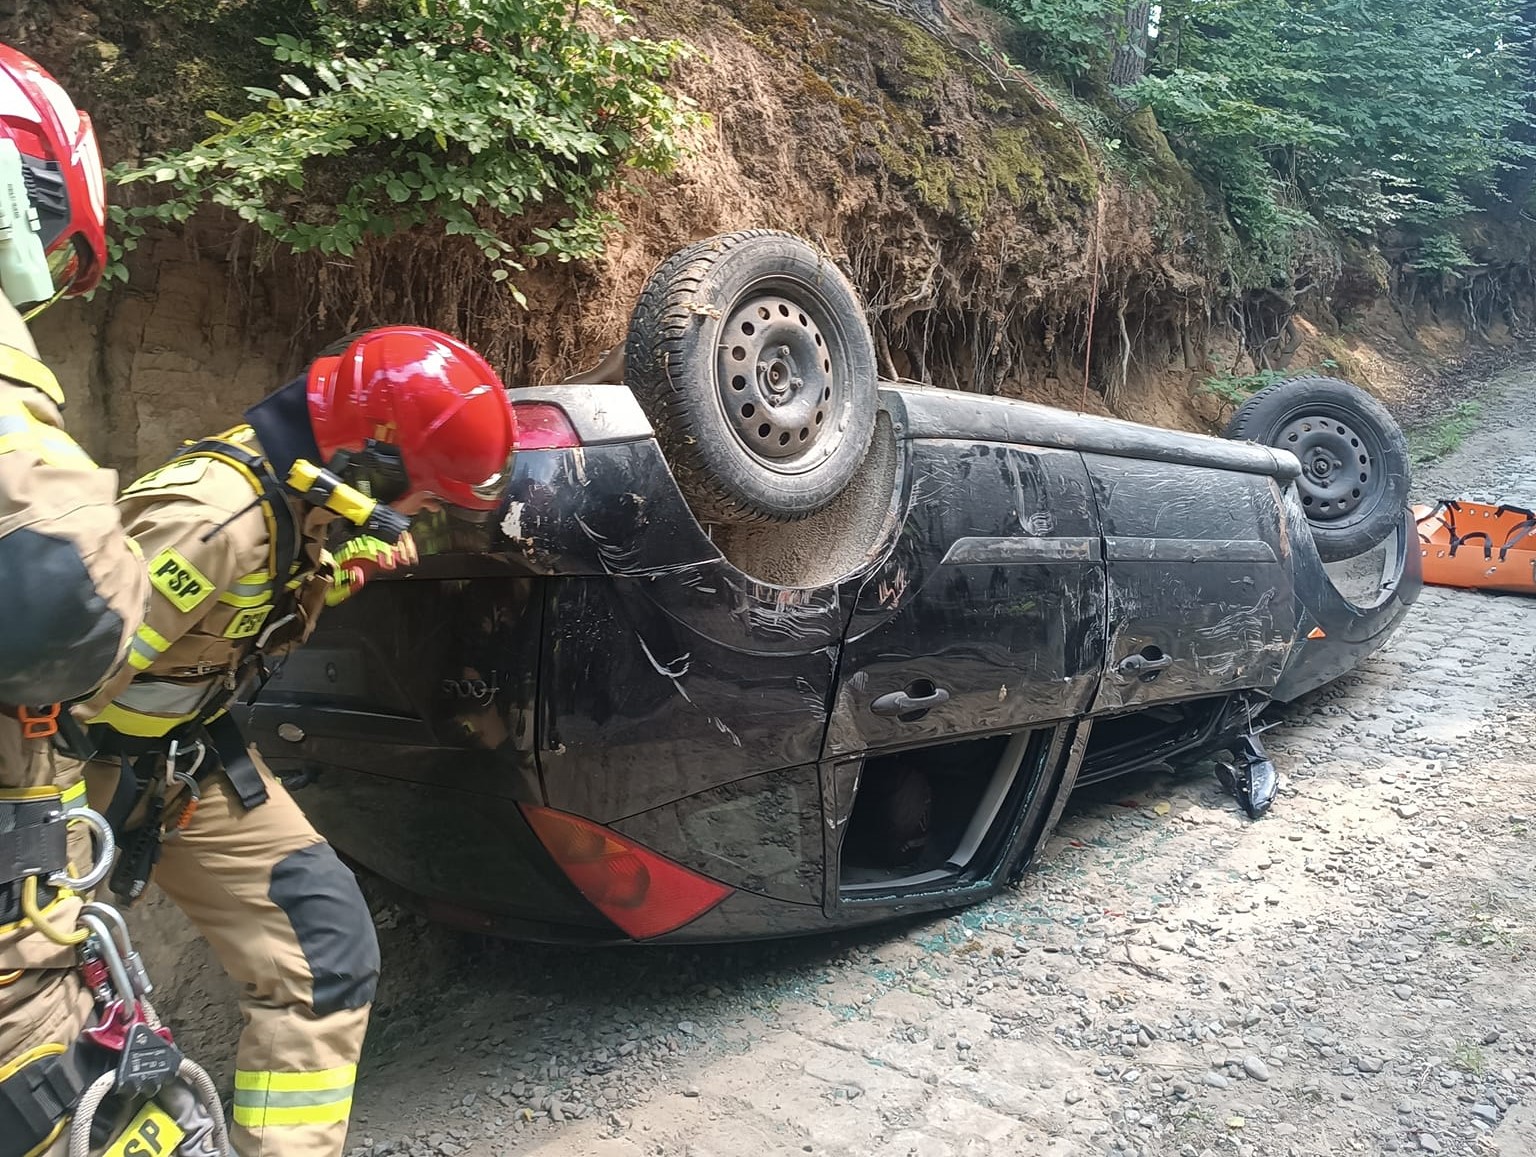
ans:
(358, 559)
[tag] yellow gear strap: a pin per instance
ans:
(241, 434)
(126, 721)
(27, 370)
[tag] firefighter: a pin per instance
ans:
(234, 531)
(72, 592)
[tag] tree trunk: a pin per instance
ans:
(1129, 62)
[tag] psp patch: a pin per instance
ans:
(247, 622)
(153, 1133)
(178, 580)
(182, 473)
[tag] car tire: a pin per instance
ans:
(1355, 467)
(751, 356)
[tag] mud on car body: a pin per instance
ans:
(669, 692)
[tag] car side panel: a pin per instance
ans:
(993, 595)
(654, 689)
(1200, 576)
(429, 680)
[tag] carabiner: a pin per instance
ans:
(138, 975)
(103, 863)
(110, 952)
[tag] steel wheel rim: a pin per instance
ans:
(1340, 466)
(779, 383)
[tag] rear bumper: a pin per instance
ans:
(1334, 635)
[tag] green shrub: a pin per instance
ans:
(458, 112)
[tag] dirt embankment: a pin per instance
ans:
(983, 220)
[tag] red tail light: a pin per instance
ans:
(644, 893)
(542, 426)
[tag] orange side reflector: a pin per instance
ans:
(1317, 633)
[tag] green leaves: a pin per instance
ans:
(458, 113)
(1350, 116)
(1067, 37)
(1320, 119)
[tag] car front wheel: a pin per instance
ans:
(1355, 473)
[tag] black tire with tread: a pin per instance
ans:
(675, 333)
(1264, 417)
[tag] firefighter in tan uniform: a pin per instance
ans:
(234, 532)
(72, 592)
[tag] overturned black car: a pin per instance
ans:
(758, 645)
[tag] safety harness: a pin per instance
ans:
(124, 1054)
(192, 749)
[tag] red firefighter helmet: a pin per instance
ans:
(424, 398)
(61, 172)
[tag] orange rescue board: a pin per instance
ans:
(1469, 544)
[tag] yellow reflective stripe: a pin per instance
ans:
(252, 590)
(137, 724)
(27, 794)
(147, 646)
(73, 797)
(266, 1099)
(229, 599)
(153, 637)
(163, 696)
(331, 1114)
(52, 445)
(337, 1080)
(27, 370)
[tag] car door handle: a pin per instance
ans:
(1142, 665)
(900, 703)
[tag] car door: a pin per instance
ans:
(988, 614)
(1200, 585)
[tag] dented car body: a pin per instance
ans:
(586, 721)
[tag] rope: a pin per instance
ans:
(85, 1114)
(190, 1073)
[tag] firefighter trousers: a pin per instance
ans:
(289, 924)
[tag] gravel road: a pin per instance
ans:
(1351, 974)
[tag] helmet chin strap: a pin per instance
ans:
(281, 423)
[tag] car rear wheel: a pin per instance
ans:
(751, 356)
(1355, 472)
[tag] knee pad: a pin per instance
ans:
(330, 920)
